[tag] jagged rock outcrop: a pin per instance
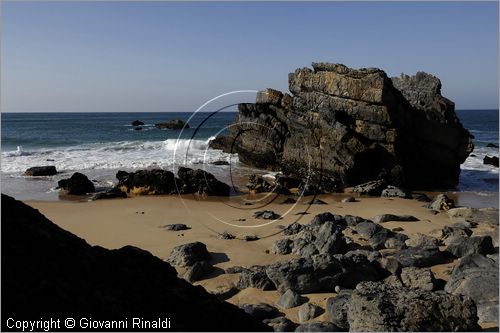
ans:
(47, 272)
(342, 127)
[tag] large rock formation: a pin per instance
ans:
(342, 127)
(48, 272)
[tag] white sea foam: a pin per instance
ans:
(115, 155)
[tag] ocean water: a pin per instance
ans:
(98, 144)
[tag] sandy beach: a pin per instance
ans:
(138, 221)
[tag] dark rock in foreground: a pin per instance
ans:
(61, 275)
(493, 160)
(172, 124)
(49, 170)
(476, 276)
(376, 307)
(356, 125)
(137, 123)
(77, 184)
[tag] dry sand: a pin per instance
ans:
(138, 221)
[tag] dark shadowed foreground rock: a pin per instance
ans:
(476, 276)
(49, 170)
(261, 311)
(62, 276)
(376, 307)
(77, 184)
(463, 246)
(356, 125)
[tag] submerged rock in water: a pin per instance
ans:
(356, 125)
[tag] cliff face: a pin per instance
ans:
(49, 272)
(341, 127)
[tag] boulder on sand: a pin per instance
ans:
(77, 184)
(188, 254)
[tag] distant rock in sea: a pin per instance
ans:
(343, 127)
(137, 123)
(172, 124)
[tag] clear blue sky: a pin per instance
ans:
(164, 56)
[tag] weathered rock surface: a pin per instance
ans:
(172, 124)
(48, 170)
(326, 238)
(395, 192)
(357, 127)
(77, 184)
(290, 299)
(422, 240)
(255, 277)
(391, 217)
(308, 311)
(337, 307)
(476, 276)
(418, 278)
(464, 246)
(475, 215)
(188, 254)
(377, 307)
(60, 274)
(441, 202)
(198, 271)
(420, 257)
(323, 272)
